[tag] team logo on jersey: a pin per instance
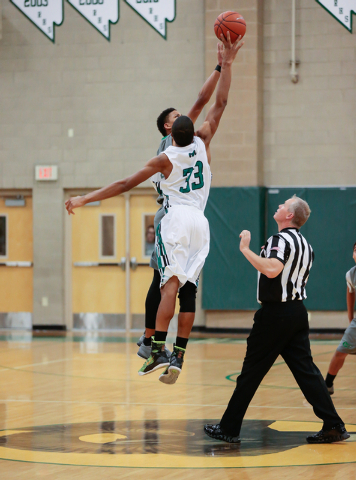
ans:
(100, 13)
(45, 14)
(156, 13)
(342, 10)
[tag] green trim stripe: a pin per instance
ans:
(162, 258)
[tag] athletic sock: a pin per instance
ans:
(160, 336)
(147, 341)
(329, 380)
(182, 342)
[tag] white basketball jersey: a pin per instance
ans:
(190, 179)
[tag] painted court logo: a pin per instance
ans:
(173, 444)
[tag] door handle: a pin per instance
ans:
(134, 264)
(122, 264)
(16, 264)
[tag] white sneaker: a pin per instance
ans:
(331, 389)
(140, 340)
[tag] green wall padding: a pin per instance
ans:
(331, 230)
(229, 281)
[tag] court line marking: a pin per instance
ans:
(228, 377)
(34, 364)
(154, 404)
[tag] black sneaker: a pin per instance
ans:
(157, 359)
(170, 375)
(335, 434)
(214, 431)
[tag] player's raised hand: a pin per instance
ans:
(230, 50)
(220, 57)
(74, 202)
(245, 236)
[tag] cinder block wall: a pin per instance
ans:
(237, 146)
(309, 127)
(108, 93)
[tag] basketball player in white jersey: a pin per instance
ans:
(182, 243)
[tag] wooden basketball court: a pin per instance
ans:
(74, 406)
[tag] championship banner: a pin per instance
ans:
(45, 14)
(100, 13)
(155, 12)
(342, 10)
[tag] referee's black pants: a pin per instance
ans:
(279, 329)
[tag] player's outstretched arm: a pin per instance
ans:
(211, 123)
(206, 91)
(157, 164)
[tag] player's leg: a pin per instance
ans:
(191, 258)
(159, 358)
(151, 307)
(187, 299)
(187, 305)
(297, 356)
(335, 365)
(346, 346)
(263, 346)
(153, 298)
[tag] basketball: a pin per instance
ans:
(230, 22)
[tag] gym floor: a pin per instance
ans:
(72, 406)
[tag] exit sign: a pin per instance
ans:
(46, 172)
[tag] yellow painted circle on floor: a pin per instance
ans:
(172, 444)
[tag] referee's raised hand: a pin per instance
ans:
(245, 236)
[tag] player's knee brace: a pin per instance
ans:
(187, 296)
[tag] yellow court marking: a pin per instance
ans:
(102, 438)
(342, 452)
(282, 426)
(304, 455)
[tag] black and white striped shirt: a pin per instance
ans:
(290, 247)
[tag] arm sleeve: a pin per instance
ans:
(278, 248)
(350, 285)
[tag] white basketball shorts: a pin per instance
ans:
(182, 244)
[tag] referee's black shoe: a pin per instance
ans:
(214, 431)
(335, 434)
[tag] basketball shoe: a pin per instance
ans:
(140, 340)
(331, 389)
(170, 375)
(335, 434)
(157, 359)
(214, 431)
(145, 351)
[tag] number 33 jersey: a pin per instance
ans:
(190, 179)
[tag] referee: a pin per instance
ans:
(281, 327)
